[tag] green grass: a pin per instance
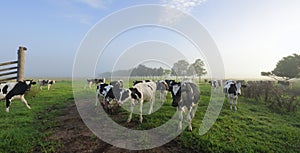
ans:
(22, 130)
(253, 128)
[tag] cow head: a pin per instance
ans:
(117, 84)
(29, 83)
(125, 95)
(170, 83)
(176, 93)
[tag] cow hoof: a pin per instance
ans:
(7, 110)
(128, 120)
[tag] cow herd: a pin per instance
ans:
(185, 94)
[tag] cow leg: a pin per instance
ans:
(235, 102)
(230, 101)
(25, 102)
(151, 106)
(49, 85)
(131, 111)
(41, 87)
(141, 111)
(194, 108)
(189, 118)
(8, 101)
(165, 95)
(180, 113)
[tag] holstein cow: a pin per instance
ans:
(163, 89)
(215, 84)
(47, 83)
(185, 95)
(232, 89)
(108, 92)
(15, 90)
(91, 82)
(138, 94)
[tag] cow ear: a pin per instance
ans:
(33, 83)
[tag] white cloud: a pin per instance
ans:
(170, 17)
(183, 5)
(98, 4)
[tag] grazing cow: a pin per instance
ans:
(91, 82)
(215, 84)
(48, 83)
(232, 89)
(108, 92)
(15, 90)
(185, 95)
(138, 94)
(163, 88)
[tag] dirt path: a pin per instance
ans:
(74, 136)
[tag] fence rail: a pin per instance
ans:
(13, 70)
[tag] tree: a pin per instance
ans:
(198, 68)
(287, 68)
(180, 68)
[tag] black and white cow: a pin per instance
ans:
(47, 83)
(163, 89)
(185, 95)
(108, 92)
(139, 93)
(91, 82)
(233, 89)
(215, 84)
(15, 90)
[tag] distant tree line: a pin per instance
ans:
(180, 68)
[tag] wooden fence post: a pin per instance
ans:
(21, 63)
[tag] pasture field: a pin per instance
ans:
(253, 128)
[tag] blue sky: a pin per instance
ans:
(252, 35)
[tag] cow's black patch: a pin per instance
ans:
(4, 90)
(136, 82)
(150, 87)
(135, 94)
(232, 89)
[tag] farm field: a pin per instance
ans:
(53, 125)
